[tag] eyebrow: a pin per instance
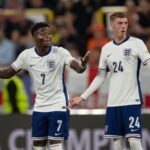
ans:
(43, 28)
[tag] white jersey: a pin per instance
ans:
(123, 61)
(47, 73)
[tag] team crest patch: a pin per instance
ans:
(51, 64)
(127, 53)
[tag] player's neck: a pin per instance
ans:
(42, 50)
(119, 39)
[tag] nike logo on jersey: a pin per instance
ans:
(137, 100)
(31, 65)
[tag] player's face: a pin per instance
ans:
(119, 27)
(43, 37)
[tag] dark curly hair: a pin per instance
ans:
(38, 25)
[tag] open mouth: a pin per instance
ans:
(123, 31)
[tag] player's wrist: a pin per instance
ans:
(83, 99)
(83, 63)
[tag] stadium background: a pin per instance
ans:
(78, 25)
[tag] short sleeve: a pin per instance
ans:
(19, 63)
(66, 56)
(143, 52)
(102, 61)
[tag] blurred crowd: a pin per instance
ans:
(76, 27)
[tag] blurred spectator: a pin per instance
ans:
(63, 32)
(64, 35)
(14, 4)
(64, 6)
(35, 4)
(93, 63)
(15, 99)
(55, 31)
(23, 43)
(7, 49)
(132, 13)
(93, 69)
(98, 38)
(2, 17)
(66, 15)
(19, 23)
(142, 26)
(83, 12)
(52, 4)
(15, 36)
(23, 24)
(64, 23)
(2, 3)
(112, 3)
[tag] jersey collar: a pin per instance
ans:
(122, 41)
(49, 50)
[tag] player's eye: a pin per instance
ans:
(45, 33)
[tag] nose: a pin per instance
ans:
(48, 36)
(124, 25)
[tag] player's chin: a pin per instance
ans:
(46, 44)
(123, 33)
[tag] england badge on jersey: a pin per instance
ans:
(51, 64)
(127, 53)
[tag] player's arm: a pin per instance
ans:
(97, 82)
(80, 67)
(143, 53)
(7, 72)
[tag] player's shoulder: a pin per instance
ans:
(107, 46)
(28, 51)
(59, 49)
(135, 40)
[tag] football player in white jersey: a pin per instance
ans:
(45, 64)
(122, 57)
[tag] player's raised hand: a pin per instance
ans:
(75, 101)
(84, 59)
